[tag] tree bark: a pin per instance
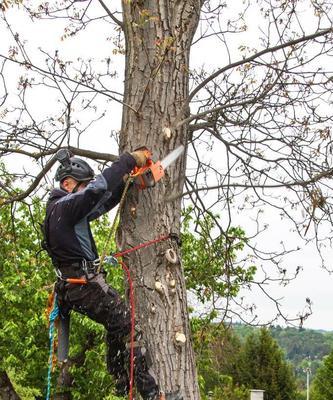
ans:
(158, 37)
(64, 383)
(7, 391)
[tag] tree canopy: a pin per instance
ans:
(322, 386)
(262, 366)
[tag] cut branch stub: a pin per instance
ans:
(180, 339)
(171, 256)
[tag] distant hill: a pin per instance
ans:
(302, 347)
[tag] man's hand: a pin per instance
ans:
(141, 155)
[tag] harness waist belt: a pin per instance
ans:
(77, 269)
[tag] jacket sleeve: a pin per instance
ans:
(100, 195)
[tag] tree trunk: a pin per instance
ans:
(64, 383)
(158, 37)
(7, 391)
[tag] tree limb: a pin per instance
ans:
(258, 55)
(76, 151)
(114, 19)
(316, 178)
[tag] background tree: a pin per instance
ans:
(303, 348)
(217, 349)
(263, 107)
(262, 366)
(322, 386)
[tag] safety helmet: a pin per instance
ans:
(75, 168)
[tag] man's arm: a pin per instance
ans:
(140, 159)
(101, 194)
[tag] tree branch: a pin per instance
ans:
(76, 151)
(114, 19)
(316, 178)
(32, 187)
(7, 391)
(258, 55)
(54, 74)
(94, 155)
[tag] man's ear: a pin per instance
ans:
(65, 184)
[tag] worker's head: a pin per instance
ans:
(73, 173)
(71, 185)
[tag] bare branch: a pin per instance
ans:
(76, 151)
(66, 78)
(325, 174)
(110, 14)
(258, 55)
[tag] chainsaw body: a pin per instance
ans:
(152, 172)
(148, 175)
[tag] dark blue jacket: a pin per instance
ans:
(66, 225)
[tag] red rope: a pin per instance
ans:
(141, 246)
(132, 301)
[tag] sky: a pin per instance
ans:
(313, 282)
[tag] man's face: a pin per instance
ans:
(70, 183)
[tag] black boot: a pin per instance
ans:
(122, 386)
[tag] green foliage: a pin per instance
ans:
(228, 368)
(322, 387)
(228, 391)
(303, 347)
(302, 344)
(23, 337)
(262, 366)
(211, 271)
(217, 349)
(210, 263)
(26, 280)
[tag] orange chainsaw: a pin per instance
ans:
(152, 172)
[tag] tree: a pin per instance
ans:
(322, 386)
(217, 349)
(262, 108)
(262, 366)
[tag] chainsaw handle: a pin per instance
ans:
(148, 154)
(140, 170)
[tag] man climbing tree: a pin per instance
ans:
(81, 285)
